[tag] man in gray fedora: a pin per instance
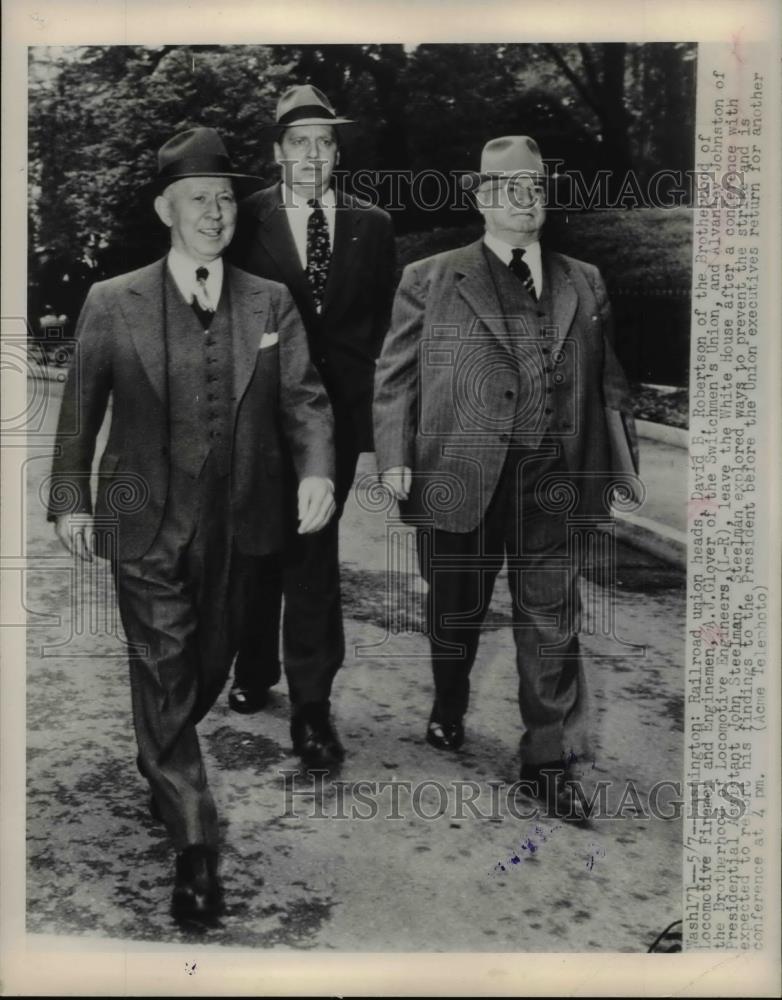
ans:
(212, 388)
(501, 417)
(335, 253)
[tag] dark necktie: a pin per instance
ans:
(201, 303)
(318, 251)
(521, 269)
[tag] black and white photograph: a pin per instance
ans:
(393, 553)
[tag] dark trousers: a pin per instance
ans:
(180, 606)
(306, 575)
(543, 580)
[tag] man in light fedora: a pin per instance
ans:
(336, 256)
(495, 398)
(212, 386)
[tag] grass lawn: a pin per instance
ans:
(662, 406)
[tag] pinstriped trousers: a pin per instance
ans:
(180, 604)
(461, 570)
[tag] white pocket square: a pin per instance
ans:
(268, 340)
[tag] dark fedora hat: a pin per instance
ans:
(305, 105)
(197, 152)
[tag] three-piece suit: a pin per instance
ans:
(190, 486)
(498, 404)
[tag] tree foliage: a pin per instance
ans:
(96, 125)
(98, 114)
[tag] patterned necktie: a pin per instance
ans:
(201, 303)
(521, 269)
(318, 251)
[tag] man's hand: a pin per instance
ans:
(73, 530)
(398, 480)
(316, 504)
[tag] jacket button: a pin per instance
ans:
(594, 319)
(559, 378)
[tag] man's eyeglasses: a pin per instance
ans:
(520, 192)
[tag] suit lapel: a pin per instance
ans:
(559, 298)
(275, 235)
(347, 229)
(479, 291)
(141, 306)
(249, 305)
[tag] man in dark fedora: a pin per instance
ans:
(212, 386)
(497, 396)
(336, 256)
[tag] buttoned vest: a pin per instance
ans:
(200, 384)
(542, 406)
(539, 359)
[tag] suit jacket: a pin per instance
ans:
(346, 337)
(279, 405)
(448, 383)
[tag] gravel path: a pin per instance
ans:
(318, 871)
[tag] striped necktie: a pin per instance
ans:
(521, 269)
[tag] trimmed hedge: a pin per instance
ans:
(643, 250)
(645, 257)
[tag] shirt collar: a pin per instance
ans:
(295, 200)
(183, 268)
(505, 251)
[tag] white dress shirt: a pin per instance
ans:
(531, 257)
(183, 271)
(298, 213)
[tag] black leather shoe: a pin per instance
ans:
(247, 700)
(444, 735)
(197, 895)
(552, 785)
(314, 737)
(252, 680)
